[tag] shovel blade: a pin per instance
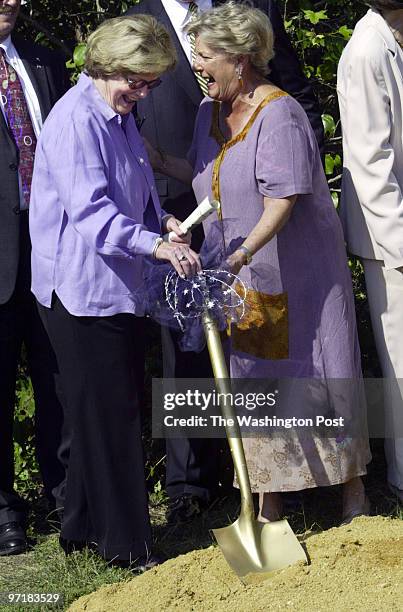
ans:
(253, 549)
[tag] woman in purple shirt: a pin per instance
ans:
(94, 217)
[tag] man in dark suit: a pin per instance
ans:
(168, 116)
(31, 80)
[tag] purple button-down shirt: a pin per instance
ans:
(94, 210)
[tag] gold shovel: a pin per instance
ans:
(249, 546)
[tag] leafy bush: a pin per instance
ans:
(57, 27)
(320, 31)
(26, 467)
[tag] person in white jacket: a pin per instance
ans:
(370, 92)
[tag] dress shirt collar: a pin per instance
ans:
(178, 11)
(86, 85)
(9, 48)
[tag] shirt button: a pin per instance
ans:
(141, 160)
(13, 166)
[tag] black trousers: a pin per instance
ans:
(193, 465)
(99, 361)
(20, 324)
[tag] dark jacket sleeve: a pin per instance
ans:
(286, 71)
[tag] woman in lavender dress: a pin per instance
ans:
(255, 152)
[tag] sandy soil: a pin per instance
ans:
(357, 567)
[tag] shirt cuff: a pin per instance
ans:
(164, 219)
(145, 243)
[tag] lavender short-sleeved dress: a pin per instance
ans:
(301, 317)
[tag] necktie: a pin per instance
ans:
(19, 122)
(193, 10)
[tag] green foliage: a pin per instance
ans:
(26, 467)
(313, 17)
(335, 198)
(332, 162)
(329, 125)
(76, 64)
(56, 26)
(320, 31)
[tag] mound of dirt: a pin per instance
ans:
(357, 567)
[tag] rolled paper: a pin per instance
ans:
(203, 210)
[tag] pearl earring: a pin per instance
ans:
(239, 73)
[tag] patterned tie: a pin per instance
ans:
(193, 10)
(19, 122)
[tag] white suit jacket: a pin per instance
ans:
(370, 91)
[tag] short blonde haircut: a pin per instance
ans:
(237, 29)
(134, 44)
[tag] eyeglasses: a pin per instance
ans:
(142, 83)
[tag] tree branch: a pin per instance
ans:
(334, 180)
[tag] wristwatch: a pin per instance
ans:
(247, 252)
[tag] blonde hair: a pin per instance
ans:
(237, 29)
(129, 45)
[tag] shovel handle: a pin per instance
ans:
(222, 381)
